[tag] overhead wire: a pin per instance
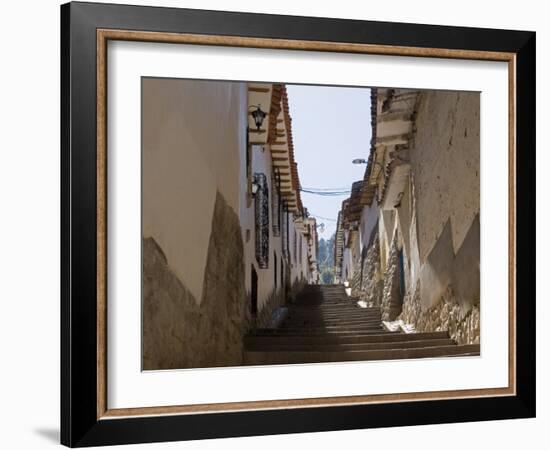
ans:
(321, 217)
(326, 193)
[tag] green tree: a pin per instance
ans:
(325, 259)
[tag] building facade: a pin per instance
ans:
(226, 239)
(410, 242)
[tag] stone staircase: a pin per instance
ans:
(325, 325)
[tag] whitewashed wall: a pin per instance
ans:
(261, 163)
(186, 159)
(368, 222)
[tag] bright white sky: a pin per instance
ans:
(330, 126)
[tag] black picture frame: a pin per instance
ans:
(80, 425)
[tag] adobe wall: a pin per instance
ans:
(181, 331)
(269, 295)
(436, 223)
(193, 142)
(445, 160)
(193, 134)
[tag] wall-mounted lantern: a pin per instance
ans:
(258, 115)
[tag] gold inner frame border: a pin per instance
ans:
(103, 36)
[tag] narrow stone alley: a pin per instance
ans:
(235, 265)
(323, 324)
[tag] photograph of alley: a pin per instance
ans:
(298, 224)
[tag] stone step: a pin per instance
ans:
(334, 315)
(322, 292)
(333, 309)
(323, 332)
(340, 291)
(325, 319)
(257, 345)
(323, 287)
(298, 357)
(330, 308)
(321, 295)
(341, 338)
(319, 322)
(341, 310)
(331, 328)
(325, 304)
(345, 302)
(325, 292)
(323, 298)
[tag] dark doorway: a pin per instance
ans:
(254, 292)
(275, 268)
(282, 272)
(401, 276)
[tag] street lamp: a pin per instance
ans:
(258, 115)
(364, 161)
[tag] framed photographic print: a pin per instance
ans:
(278, 224)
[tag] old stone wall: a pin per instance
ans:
(447, 295)
(369, 288)
(180, 332)
(445, 158)
(391, 297)
(430, 212)
(461, 321)
(355, 283)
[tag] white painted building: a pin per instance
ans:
(280, 265)
(225, 236)
(413, 248)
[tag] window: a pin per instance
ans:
(276, 203)
(261, 213)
